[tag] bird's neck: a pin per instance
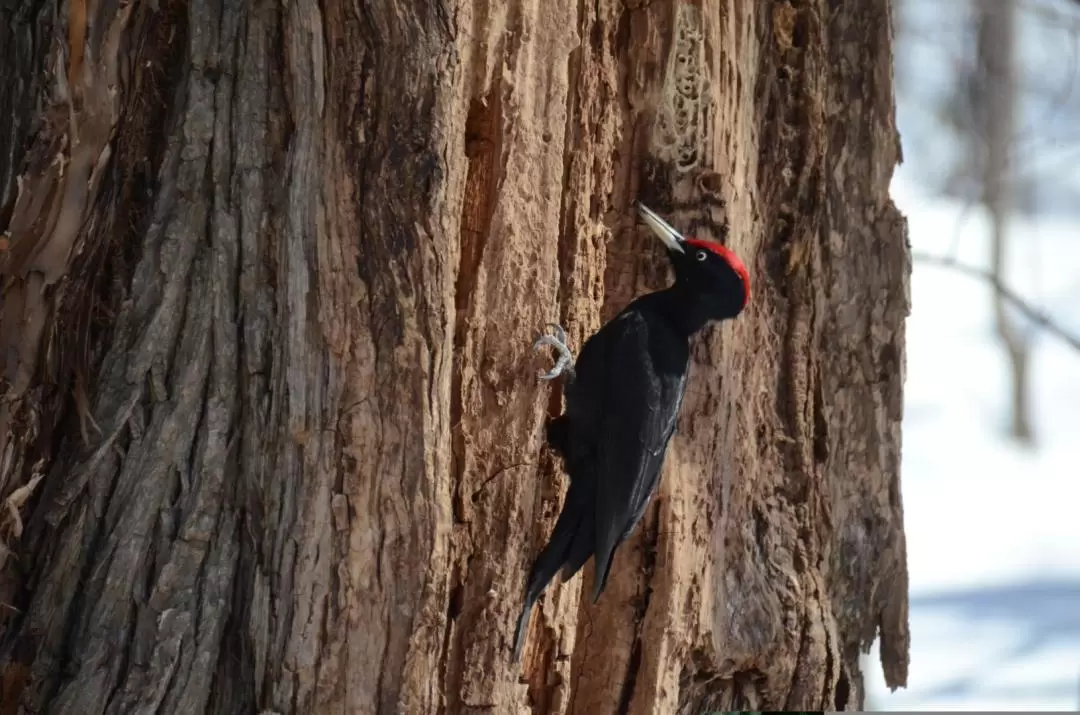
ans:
(685, 310)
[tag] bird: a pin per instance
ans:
(622, 399)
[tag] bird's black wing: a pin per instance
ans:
(643, 391)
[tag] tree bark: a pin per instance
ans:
(272, 429)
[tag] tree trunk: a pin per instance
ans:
(272, 428)
(996, 27)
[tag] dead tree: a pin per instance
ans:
(271, 423)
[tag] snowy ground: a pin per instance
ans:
(993, 529)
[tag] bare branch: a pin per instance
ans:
(1033, 314)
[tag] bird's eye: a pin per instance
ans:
(701, 256)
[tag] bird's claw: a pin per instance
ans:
(560, 334)
(557, 341)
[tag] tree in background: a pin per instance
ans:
(271, 425)
(993, 124)
(994, 94)
(945, 85)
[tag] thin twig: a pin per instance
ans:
(1035, 315)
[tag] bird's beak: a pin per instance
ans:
(671, 238)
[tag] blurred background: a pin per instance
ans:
(988, 96)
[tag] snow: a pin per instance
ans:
(993, 528)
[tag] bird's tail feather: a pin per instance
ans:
(522, 626)
(603, 570)
(581, 548)
(547, 564)
(600, 581)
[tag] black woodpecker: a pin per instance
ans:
(622, 401)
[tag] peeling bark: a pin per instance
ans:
(271, 426)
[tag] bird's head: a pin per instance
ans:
(709, 270)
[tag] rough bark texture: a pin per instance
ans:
(272, 429)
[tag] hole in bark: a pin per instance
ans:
(843, 690)
(596, 38)
(483, 147)
(641, 608)
(457, 597)
(761, 528)
(887, 362)
(631, 680)
(622, 33)
(710, 183)
(801, 31)
(821, 427)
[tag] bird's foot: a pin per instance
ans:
(557, 341)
